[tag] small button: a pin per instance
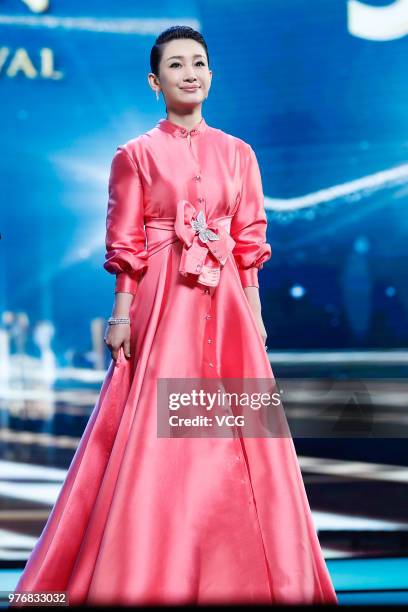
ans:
(238, 458)
(209, 340)
(201, 199)
(198, 267)
(206, 290)
(197, 177)
(211, 365)
(207, 316)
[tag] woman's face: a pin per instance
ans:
(184, 64)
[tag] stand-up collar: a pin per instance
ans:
(178, 130)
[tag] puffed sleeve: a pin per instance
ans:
(248, 225)
(126, 254)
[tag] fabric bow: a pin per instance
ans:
(204, 251)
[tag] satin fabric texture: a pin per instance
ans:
(142, 519)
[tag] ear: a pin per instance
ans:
(152, 80)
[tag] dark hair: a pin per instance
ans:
(174, 32)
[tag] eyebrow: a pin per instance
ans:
(182, 56)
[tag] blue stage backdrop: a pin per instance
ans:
(320, 91)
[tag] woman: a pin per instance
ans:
(149, 517)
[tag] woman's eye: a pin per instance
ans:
(178, 63)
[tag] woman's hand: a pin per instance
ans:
(252, 294)
(261, 327)
(119, 334)
(115, 337)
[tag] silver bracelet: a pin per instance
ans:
(118, 320)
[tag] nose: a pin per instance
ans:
(190, 75)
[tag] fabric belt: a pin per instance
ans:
(206, 243)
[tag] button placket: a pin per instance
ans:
(209, 351)
(200, 199)
(245, 477)
(197, 177)
(209, 347)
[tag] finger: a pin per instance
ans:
(126, 348)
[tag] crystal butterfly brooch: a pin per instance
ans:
(200, 225)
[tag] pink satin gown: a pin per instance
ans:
(142, 519)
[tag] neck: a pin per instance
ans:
(186, 120)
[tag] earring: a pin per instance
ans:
(157, 95)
